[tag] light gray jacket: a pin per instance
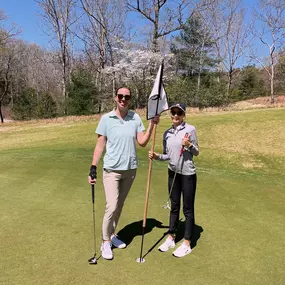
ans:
(172, 144)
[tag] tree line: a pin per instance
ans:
(210, 49)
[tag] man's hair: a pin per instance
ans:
(121, 87)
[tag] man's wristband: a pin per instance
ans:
(93, 172)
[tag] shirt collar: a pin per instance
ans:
(113, 114)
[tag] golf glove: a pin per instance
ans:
(93, 172)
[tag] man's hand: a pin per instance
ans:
(155, 120)
(92, 174)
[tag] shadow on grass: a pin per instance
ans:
(154, 246)
(179, 236)
(129, 232)
(195, 237)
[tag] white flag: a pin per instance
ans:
(157, 101)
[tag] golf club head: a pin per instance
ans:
(92, 260)
(140, 260)
(167, 206)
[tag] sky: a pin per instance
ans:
(25, 13)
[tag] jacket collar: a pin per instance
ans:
(178, 128)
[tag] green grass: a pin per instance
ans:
(46, 211)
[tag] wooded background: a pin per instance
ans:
(210, 50)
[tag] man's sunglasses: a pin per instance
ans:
(126, 97)
(178, 113)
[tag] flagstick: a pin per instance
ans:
(140, 259)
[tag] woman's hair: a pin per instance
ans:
(124, 88)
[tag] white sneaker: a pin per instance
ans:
(182, 250)
(106, 250)
(169, 243)
(117, 242)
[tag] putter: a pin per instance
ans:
(93, 260)
(167, 204)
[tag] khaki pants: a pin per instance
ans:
(117, 185)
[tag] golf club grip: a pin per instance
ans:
(93, 192)
(182, 148)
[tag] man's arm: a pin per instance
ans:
(143, 137)
(99, 148)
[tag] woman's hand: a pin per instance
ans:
(186, 141)
(153, 155)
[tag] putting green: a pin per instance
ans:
(46, 207)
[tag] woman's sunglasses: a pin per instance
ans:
(126, 97)
(178, 113)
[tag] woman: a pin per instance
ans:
(180, 144)
(119, 130)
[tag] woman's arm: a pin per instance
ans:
(159, 156)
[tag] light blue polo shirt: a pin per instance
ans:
(121, 140)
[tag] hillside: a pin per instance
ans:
(260, 102)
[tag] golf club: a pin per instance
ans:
(167, 204)
(93, 260)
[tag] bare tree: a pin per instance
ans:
(5, 79)
(236, 39)
(105, 25)
(6, 56)
(165, 16)
(225, 18)
(280, 72)
(270, 18)
(60, 16)
(38, 69)
(7, 33)
(213, 18)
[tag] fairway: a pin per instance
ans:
(46, 234)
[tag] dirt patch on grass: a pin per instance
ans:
(251, 104)
(252, 164)
(260, 102)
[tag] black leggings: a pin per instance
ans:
(185, 184)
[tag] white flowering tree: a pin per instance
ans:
(135, 69)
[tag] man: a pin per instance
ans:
(119, 130)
